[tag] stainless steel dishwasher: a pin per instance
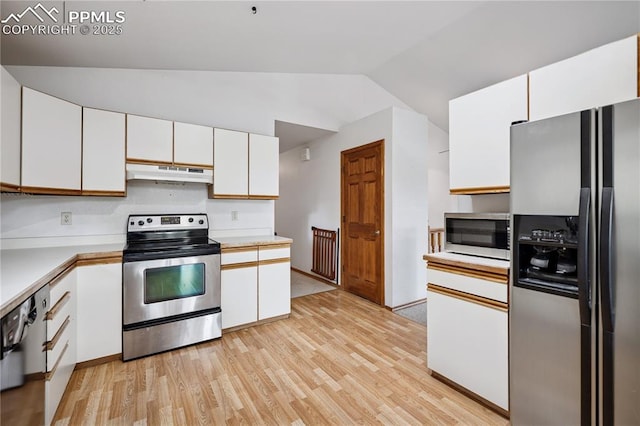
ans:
(23, 361)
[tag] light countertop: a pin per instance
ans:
(24, 271)
(456, 259)
(261, 240)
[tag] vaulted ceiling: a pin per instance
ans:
(423, 52)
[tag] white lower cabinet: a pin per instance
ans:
(255, 284)
(239, 296)
(274, 281)
(99, 310)
(468, 320)
(61, 340)
(468, 344)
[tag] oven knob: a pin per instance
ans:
(149, 220)
(190, 219)
(140, 222)
(132, 223)
(201, 222)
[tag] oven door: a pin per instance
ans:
(162, 288)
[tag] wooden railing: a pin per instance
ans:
(436, 239)
(324, 252)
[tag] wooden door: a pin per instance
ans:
(362, 209)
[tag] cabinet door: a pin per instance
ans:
(99, 311)
(230, 164)
(149, 139)
(103, 156)
(468, 344)
(239, 296)
(51, 143)
(602, 76)
(193, 145)
(264, 160)
(274, 289)
(479, 136)
(10, 133)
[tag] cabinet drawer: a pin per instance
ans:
(61, 285)
(479, 285)
(274, 252)
(61, 338)
(239, 255)
(57, 380)
(58, 314)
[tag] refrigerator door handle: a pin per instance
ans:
(584, 287)
(606, 270)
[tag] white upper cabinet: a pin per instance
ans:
(193, 145)
(264, 157)
(479, 126)
(149, 140)
(10, 133)
(230, 164)
(51, 143)
(103, 152)
(602, 76)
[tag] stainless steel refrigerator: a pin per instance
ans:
(575, 268)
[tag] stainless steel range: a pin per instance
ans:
(171, 284)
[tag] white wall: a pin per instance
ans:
(440, 201)
(410, 207)
(310, 196)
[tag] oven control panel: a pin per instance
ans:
(167, 222)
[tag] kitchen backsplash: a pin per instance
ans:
(35, 216)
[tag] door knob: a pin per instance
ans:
(376, 232)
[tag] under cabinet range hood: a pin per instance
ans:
(169, 173)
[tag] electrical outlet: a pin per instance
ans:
(234, 215)
(65, 218)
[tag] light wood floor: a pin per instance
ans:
(337, 360)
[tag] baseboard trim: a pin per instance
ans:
(315, 277)
(504, 413)
(406, 305)
(98, 361)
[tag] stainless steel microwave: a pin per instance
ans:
(480, 234)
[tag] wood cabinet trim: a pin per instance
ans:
(98, 361)
(148, 162)
(52, 373)
(53, 342)
(53, 312)
(480, 190)
(9, 187)
(104, 258)
(104, 193)
(239, 249)
(272, 261)
(238, 265)
(467, 297)
(49, 191)
(433, 260)
(231, 196)
(472, 273)
(264, 197)
(274, 246)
